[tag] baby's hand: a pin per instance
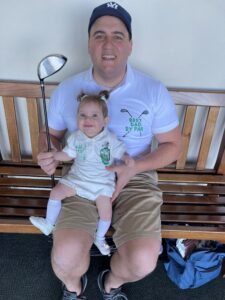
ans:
(128, 160)
(124, 173)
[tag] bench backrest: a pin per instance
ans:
(201, 113)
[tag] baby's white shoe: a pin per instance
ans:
(43, 224)
(102, 246)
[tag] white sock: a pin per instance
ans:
(53, 210)
(102, 228)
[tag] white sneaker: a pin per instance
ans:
(102, 246)
(43, 224)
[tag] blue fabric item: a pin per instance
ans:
(201, 267)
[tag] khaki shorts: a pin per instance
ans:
(136, 212)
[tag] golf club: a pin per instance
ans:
(48, 66)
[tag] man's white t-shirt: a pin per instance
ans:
(139, 108)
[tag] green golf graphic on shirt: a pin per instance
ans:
(81, 151)
(105, 154)
(135, 123)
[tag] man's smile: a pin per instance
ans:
(108, 57)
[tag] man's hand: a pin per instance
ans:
(47, 162)
(46, 158)
(124, 173)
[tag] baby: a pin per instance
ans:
(92, 147)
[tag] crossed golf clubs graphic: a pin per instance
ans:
(124, 110)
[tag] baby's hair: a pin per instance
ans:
(100, 99)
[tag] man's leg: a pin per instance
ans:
(72, 240)
(136, 220)
(133, 261)
(71, 256)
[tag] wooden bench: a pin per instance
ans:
(193, 187)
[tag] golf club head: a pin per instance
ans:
(49, 65)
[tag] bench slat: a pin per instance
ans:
(168, 177)
(34, 125)
(221, 169)
(190, 199)
(24, 202)
(10, 115)
(168, 231)
(202, 219)
(191, 178)
(24, 193)
(193, 232)
(221, 156)
(25, 89)
(207, 137)
(167, 199)
(186, 135)
(25, 182)
(193, 209)
(24, 170)
(200, 98)
(179, 189)
(17, 225)
(21, 212)
(192, 189)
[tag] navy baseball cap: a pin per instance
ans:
(111, 9)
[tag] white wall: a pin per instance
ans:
(181, 42)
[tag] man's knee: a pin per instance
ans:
(141, 257)
(142, 263)
(69, 253)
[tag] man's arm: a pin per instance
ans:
(46, 159)
(169, 148)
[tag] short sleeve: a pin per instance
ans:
(118, 148)
(70, 147)
(165, 115)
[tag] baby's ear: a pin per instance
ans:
(106, 120)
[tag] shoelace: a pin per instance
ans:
(115, 294)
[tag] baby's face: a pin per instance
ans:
(90, 119)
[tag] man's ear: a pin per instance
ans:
(131, 47)
(88, 46)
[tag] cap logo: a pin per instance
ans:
(112, 5)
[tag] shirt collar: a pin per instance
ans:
(97, 137)
(126, 82)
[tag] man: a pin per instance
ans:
(139, 108)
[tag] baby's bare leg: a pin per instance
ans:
(58, 193)
(104, 207)
(62, 191)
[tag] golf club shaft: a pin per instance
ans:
(46, 125)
